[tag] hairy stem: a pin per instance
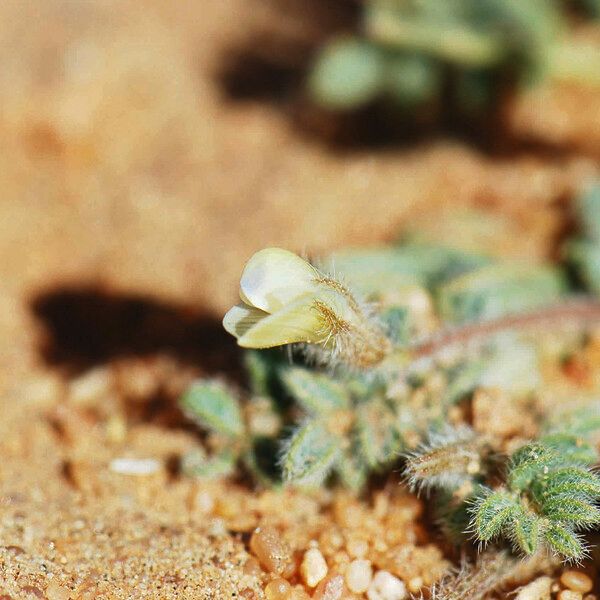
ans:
(579, 311)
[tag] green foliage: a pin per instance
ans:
(408, 52)
(548, 495)
(213, 406)
(447, 460)
(331, 420)
(310, 454)
(583, 252)
(198, 464)
(316, 393)
(348, 73)
(376, 271)
(592, 6)
(235, 432)
(547, 498)
(344, 433)
(493, 512)
(498, 290)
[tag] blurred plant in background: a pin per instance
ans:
(428, 355)
(416, 56)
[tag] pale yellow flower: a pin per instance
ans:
(287, 300)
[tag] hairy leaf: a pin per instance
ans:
(578, 513)
(211, 405)
(315, 392)
(564, 541)
(528, 462)
(449, 459)
(525, 530)
(497, 290)
(378, 437)
(574, 482)
(310, 454)
(197, 464)
(571, 448)
(491, 514)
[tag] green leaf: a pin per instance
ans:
(564, 541)
(593, 7)
(585, 257)
(317, 393)
(528, 462)
(497, 290)
(259, 365)
(378, 436)
(588, 210)
(474, 90)
(525, 530)
(491, 513)
(571, 448)
(382, 270)
(310, 454)
(348, 73)
(574, 511)
(462, 381)
(396, 320)
(580, 422)
(211, 405)
(411, 80)
(197, 464)
(352, 470)
(573, 482)
(453, 516)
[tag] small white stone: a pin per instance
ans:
(359, 575)
(539, 589)
(135, 466)
(386, 587)
(314, 567)
(90, 387)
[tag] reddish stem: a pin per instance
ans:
(581, 310)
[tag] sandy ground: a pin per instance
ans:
(127, 170)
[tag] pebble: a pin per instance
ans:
(278, 589)
(576, 581)
(330, 588)
(385, 586)
(90, 387)
(359, 575)
(538, 589)
(271, 551)
(135, 466)
(357, 548)
(299, 593)
(251, 567)
(569, 595)
(314, 567)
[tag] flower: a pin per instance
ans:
(286, 300)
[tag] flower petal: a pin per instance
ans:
(240, 318)
(296, 322)
(275, 277)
